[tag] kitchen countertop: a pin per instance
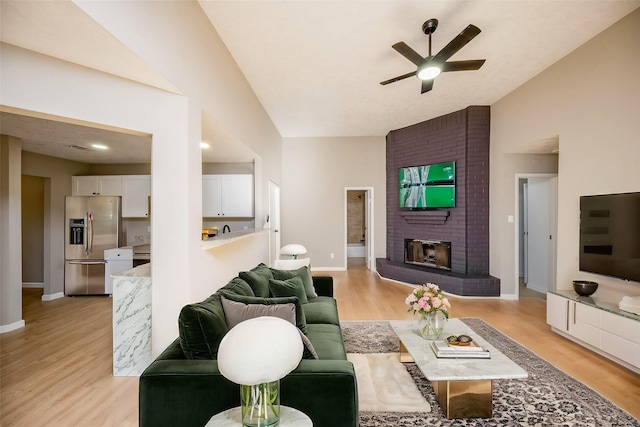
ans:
(143, 270)
(225, 238)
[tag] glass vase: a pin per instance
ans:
(430, 325)
(260, 404)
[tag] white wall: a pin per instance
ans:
(315, 174)
(178, 40)
(10, 241)
(590, 99)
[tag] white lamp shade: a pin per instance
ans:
(294, 249)
(260, 350)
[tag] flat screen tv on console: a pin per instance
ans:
(428, 186)
(610, 235)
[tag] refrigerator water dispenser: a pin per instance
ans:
(76, 231)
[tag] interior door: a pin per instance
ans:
(539, 236)
(273, 222)
(368, 228)
(525, 232)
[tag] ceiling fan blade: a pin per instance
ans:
(457, 43)
(403, 49)
(473, 64)
(395, 79)
(427, 85)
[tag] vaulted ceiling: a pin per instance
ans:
(316, 65)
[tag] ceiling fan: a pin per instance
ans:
(431, 66)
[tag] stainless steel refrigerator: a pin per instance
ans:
(92, 224)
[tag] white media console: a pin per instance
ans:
(597, 325)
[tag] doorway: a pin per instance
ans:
(33, 231)
(359, 227)
(536, 242)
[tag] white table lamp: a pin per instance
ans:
(256, 354)
(293, 249)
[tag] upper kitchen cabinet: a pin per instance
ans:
(109, 185)
(136, 190)
(227, 195)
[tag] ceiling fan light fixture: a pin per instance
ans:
(429, 72)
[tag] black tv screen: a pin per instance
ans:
(610, 235)
(428, 186)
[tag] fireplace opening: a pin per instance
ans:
(429, 253)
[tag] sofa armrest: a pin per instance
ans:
(323, 285)
(184, 393)
(325, 390)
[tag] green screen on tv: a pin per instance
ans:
(429, 186)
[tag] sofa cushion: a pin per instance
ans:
(302, 273)
(301, 322)
(288, 288)
(201, 328)
(237, 312)
(258, 279)
(238, 286)
(321, 310)
(327, 341)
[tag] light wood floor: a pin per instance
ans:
(57, 370)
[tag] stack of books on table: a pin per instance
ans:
(472, 351)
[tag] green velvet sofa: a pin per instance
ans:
(183, 386)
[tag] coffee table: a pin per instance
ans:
(463, 386)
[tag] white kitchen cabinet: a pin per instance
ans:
(227, 195)
(136, 190)
(95, 185)
(211, 203)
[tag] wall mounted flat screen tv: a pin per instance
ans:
(428, 186)
(610, 235)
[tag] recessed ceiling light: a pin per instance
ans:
(100, 146)
(204, 145)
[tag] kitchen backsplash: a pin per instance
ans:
(136, 232)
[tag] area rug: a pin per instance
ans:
(385, 385)
(549, 397)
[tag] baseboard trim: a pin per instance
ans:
(51, 297)
(33, 285)
(328, 269)
(11, 327)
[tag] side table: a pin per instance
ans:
(289, 417)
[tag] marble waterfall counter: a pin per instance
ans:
(132, 321)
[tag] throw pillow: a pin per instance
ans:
(258, 279)
(302, 273)
(236, 312)
(294, 264)
(238, 286)
(301, 321)
(201, 328)
(288, 288)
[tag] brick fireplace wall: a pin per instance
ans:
(463, 137)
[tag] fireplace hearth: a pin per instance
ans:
(428, 253)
